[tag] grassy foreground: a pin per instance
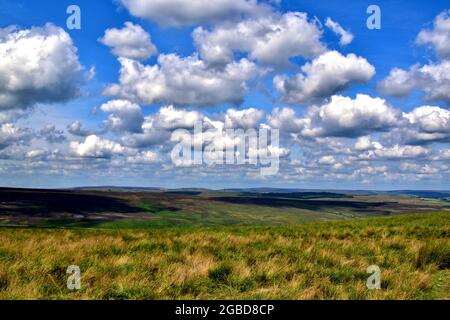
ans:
(311, 261)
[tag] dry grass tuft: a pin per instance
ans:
(313, 261)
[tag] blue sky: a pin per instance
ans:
(401, 141)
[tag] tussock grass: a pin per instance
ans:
(436, 253)
(311, 261)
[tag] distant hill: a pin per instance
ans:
(423, 194)
(278, 192)
(154, 207)
(118, 189)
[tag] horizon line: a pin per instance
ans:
(218, 189)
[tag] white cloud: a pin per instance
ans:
(346, 117)
(439, 36)
(193, 12)
(426, 124)
(433, 79)
(270, 39)
(148, 138)
(430, 119)
(340, 117)
(183, 81)
(11, 115)
(400, 152)
(324, 76)
(327, 160)
(125, 116)
(96, 147)
(365, 143)
(378, 170)
(51, 134)
(442, 155)
(399, 83)
(419, 168)
(130, 42)
(264, 153)
(171, 118)
(10, 134)
(394, 152)
(37, 153)
(157, 127)
(38, 65)
(285, 119)
(144, 157)
(245, 119)
(76, 129)
(346, 37)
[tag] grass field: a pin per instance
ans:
(321, 260)
(125, 209)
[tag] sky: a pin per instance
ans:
(108, 103)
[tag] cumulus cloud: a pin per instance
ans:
(426, 124)
(270, 39)
(38, 65)
(213, 138)
(266, 152)
(419, 168)
(346, 117)
(52, 135)
(399, 83)
(442, 155)
(193, 12)
(11, 115)
(333, 140)
(40, 155)
(439, 37)
(96, 147)
(346, 37)
(341, 117)
(245, 119)
(183, 82)
(327, 160)
(365, 143)
(171, 118)
(324, 76)
(433, 79)
(37, 153)
(398, 152)
(285, 119)
(76, 129)
(430, 119)
(143, 157)
(125, 116)
(10, 134)
(156, 128)
(148, 138)
(130, 42)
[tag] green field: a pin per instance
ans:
(317, 260)
(115, 209)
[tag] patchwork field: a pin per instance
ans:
(141, 209)
(217, 245)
